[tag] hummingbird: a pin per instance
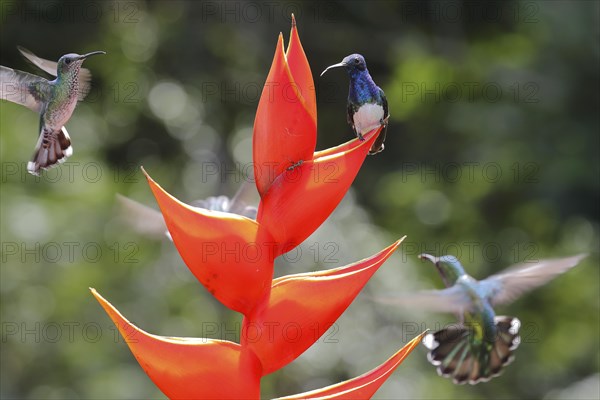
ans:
(367, 105)
(478, 347)
(150, 222)
(54, 100)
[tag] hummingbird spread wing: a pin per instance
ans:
(85, 83)
(213, 203)
(150, 222)
(242, 203)
(350, 117)
(53, 147)
(47, 66)
(514, 281)
(22, 88)
(245, 200)
(451, 300)
(386, 110)
(50, 67)
(141, 218)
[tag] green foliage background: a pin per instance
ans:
(492, 155)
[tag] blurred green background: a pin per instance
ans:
(491, 155)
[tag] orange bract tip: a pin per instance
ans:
(349, 145)
(285, 128)
(189, 368)
(364, 386)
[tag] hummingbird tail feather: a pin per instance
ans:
(507, 341)
(378, 145)
(456, 356)
(52, 148)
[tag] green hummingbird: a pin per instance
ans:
(54, 100)
(482, 343)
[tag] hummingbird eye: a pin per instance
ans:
(356, 60)
(68, 61)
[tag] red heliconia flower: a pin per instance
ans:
(233, 256)
(188, 368)
(225, 250)
(299, 189)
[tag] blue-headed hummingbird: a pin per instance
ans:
(367, 106)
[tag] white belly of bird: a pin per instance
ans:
(367, 118)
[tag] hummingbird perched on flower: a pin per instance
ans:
(482, 343)
(367, 105)
(54, 100)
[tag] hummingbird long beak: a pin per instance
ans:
(93, 53)
(429, 257)
(342, 64)
(436, 262)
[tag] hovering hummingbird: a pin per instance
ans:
(367, 105)
(54, 100)
(482, 343)
(150, 222)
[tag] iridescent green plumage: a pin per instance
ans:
(481, 344)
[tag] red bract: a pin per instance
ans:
(302, 307)
(300, 70)
(285, 127)
(187, 368)
(300, 200)
(364, 386)
(233, 256)
(226, 252)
